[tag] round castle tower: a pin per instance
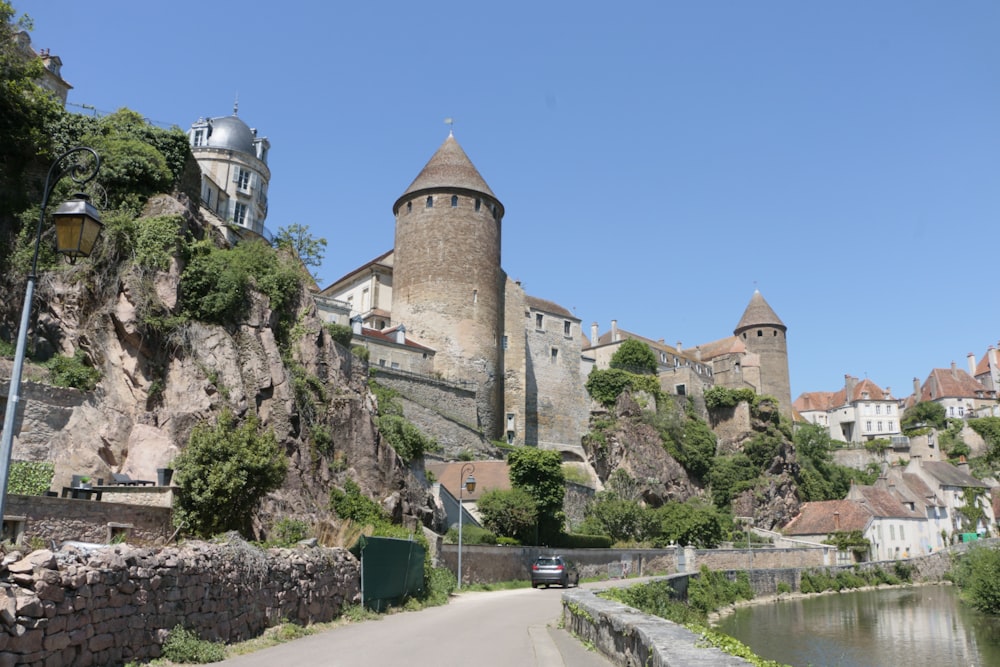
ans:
(447, 282)
(763, 333)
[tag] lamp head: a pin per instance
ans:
(470, 484)
(78, 224)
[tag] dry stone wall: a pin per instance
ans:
(117, 604)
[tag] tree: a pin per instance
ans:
(539, 473)
(619, 518)
(509, 513)
(689, 523)
(634, 356)
(978, 576)
(224, 473)
(925, 413)
(25, 113)
(308, 248)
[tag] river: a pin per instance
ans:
(920, 626)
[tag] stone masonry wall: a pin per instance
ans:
(76, 608)
(59, 519)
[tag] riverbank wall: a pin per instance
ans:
(628, 637)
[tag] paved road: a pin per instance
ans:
(518, 628)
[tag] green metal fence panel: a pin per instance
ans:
(391, 569)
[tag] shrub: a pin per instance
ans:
(784, 587)
(73, 372)
(340, 333)
(185, 647)
(634, 356)
(30, 478)
(508, 512)
(470, 535)
(404, 437)
(288, 532)
(977, 574)
(224, 473)
(719, 397)
(354, 505)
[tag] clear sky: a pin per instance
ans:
(658, 161)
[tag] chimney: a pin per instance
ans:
(849, 384)
(954, 370)
(972, 364)
(888, 392)
(680, 348)
(593, 334)
(916, 389)
(836, 521)
(614, 331)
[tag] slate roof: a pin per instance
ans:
(548, 306)
(818, 518)
(727, 345)
(758, 313)
(449, 167)
(489, 475)
(949, 475)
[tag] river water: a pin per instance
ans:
(910, 627)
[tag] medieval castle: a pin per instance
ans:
(439, 310)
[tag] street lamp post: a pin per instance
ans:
(468, 485)
(78, 225)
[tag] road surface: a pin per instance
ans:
(514, 628)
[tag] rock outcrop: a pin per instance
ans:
(157, 384)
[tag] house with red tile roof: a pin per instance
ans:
(818, 521)
(859, 412)
(961, 394)
(897, 530)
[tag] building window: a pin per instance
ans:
(503, 342)
(409, 206)
(395, 365)
(680, 389)
(566, 328)
(199, 137)
(479, 204)
(555, 353)
(510, 421)
(475, 296)
(879, 424)
(538, 321)
(240, 213)
(242, 179)
(878, 409)
(892, 533)
(961, 411)
(759, 333)
(430, 202)
(868, 426)
(381, 362)
(454, 201)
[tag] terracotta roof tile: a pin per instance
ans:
(820, 518)
(548, 306)
(951, 383)
(489, 475)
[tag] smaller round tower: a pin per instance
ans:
(764, 334)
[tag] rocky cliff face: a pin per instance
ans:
(629, 444)
(155, 388)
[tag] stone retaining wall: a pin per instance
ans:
(77, 608)
(60, 519)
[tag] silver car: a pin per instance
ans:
(548, 570)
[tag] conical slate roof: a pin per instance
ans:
(757, 314)
(449, 167)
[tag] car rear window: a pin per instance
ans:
(548, 561)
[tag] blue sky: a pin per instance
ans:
(658, 161)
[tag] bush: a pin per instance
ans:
(73, 372)
(634, 356)
(224, 473)
(470, 535)
(354, 505)
(508, 512)
(185, 647)
(405, 438)
(288, 533)
(341, 333)
(719, 397)
(977, 573)
(30, 478)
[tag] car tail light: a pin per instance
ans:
(559, 567)
(535, 567)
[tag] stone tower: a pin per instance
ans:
(448, 286)
(763, 333)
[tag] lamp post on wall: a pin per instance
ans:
(468, 485)
(78, 224)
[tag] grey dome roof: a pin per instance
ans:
(231, 133)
